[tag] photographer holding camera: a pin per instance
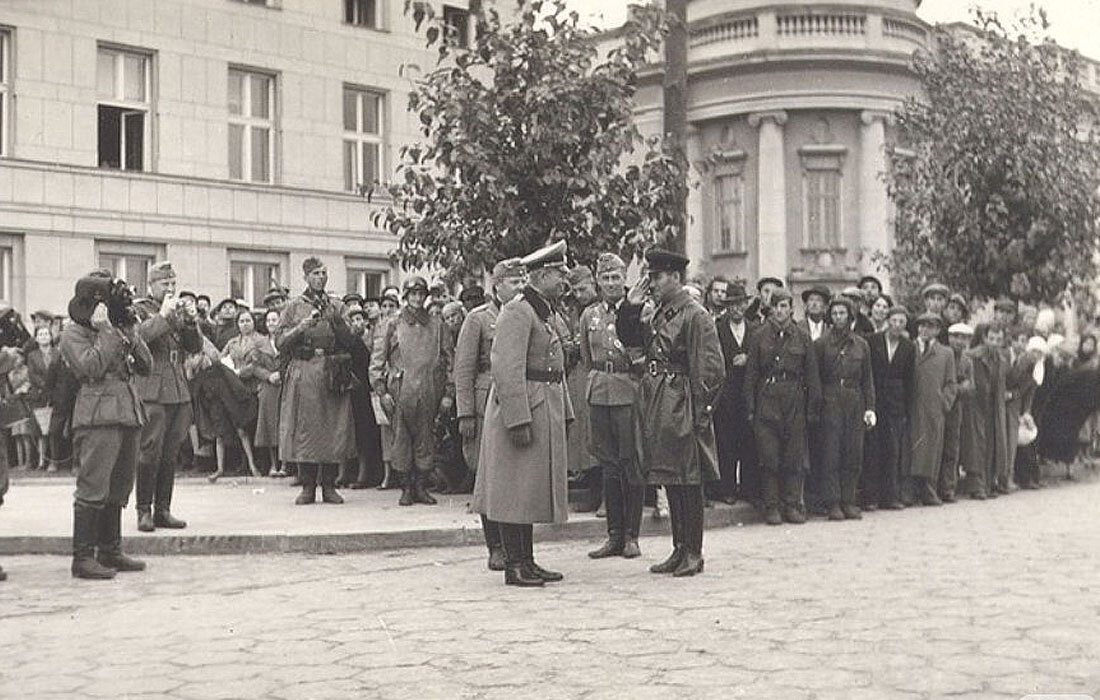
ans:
(104, 350)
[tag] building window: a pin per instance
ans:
(6, 274)
(251, 275)
(457, 23)
(129, 261)
(5, 90)
(365, 281)
(362, 138)
(251, 125)
(124, 108)
(729, 212)
(822, 181)
(361, 13)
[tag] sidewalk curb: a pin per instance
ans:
(342, 543)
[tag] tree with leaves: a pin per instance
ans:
(996, 185)
(528, 138)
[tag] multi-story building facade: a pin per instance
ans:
(232, 137)
(790, 110)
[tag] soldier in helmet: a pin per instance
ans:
(410, 370)
(472, 379)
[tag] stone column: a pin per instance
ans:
(875, 227)
(771, 202)
(694, 240)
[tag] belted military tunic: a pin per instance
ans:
(848, 390)
(684, 372)
(525, 484)
(471, 372)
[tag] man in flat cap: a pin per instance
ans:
(935, 296)
(610, 394)
(522, 472)
(582, 293)
(934, 390)
(782, 392)
(985, 451)
(893, 361)
(760, 307)
(848, 409)
(167, 324)
(737, 463)
(353, 301)
(472, 379)
(815, 323)
(684, 372)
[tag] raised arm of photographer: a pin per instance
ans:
(91, 355)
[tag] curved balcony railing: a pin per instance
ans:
(788, 29)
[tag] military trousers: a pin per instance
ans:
(841, 430)
(162, 435)
(780, 427)
(612, 443)
(413, 433)
(106, 459)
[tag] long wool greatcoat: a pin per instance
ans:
(933, 396)
(525, 484)
(471, 372)
(675, 408)
(985, 450)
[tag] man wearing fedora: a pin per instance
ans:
(737, 465)
(167, 324)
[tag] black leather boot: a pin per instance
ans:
(420, 492)
(162, 517)
(85, 534)
(675, 508)
(634, 496)
(515, 572)
(408, 497)
(693, 514)
(110, 542)
(491, 531)
(145, 521)
(528, 532)
(329, 494)
(307, 473)
(613, 498)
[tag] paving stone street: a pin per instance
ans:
(973, 600)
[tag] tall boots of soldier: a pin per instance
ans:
(491, 530)
(686, 511)
(413, 489)
(515, 571)
(528, 532)
(624, 516)
(110, 542)
(676, 522)
(307, 474)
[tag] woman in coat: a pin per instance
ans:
(239, 351)
(267, 368)
(39, 361)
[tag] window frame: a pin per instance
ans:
(819, 161)
(118, 100)
(357, 270)
(7, 265)
(465, 33)
(358, 137)
(7, 35)
(354, 6)
(253, 258)
(151, 252)
(248, 122)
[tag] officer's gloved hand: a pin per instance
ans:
(521, 435)
(869, 419)
(467, 426)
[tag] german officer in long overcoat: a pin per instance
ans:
(472, 379)
(523, 466)
(105, 351)
(684, 372)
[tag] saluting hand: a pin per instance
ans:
(637, 293)
(521, 435)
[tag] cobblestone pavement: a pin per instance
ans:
(982, 600)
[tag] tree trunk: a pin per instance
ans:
(675, 98)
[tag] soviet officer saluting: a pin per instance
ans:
(168, 325)
(522, 469)
(848, 407)
(610, 395)
(684, 372)
(782, 387)
(473, 379)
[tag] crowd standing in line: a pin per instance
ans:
(672, 390)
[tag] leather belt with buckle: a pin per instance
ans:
(551, 376)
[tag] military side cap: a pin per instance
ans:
(1004, 304)
(898, 310)
(661, 260)
(870, 278)
(768, 280)
(930, 317)
(609, 262)
(552, 255)
(161, 271)
(507, 269)
(820, 290)
(935, 288)
(960, 329)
